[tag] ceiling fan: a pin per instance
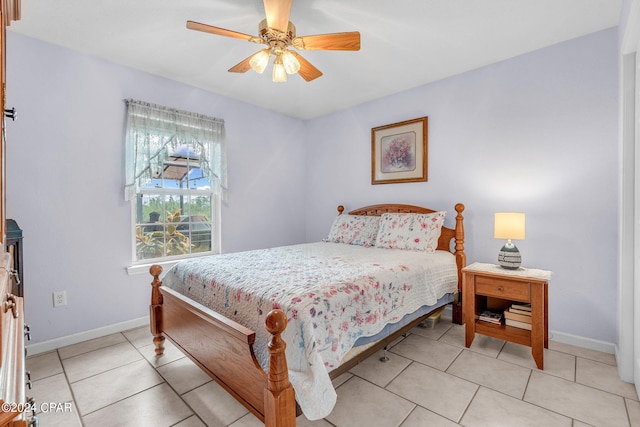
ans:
(279, 35)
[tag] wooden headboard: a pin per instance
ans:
(446, 236)
(451, 239)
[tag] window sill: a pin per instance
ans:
(136, 269)
(144, 268)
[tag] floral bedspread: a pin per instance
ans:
(332, 293)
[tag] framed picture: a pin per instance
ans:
(399, 152)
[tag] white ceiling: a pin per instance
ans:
(405, 43)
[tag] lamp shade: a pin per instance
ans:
(509, 225)
(260, 60)
(279, 73)
(290, 62)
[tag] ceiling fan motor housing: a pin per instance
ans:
(277, 40)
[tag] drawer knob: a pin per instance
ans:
(10, 304)
(501, 288)
(16, 276)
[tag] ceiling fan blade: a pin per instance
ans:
(334, 41)
(278, 12)
(243, 66)
(307, 70)
(218, 31)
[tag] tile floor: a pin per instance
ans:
(431, 379)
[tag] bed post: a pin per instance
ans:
(155, 309)
(279, 397)
(461, 262)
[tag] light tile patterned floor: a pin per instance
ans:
(431, 379)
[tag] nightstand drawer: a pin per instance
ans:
(503, 288)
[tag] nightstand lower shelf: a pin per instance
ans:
(503, 332)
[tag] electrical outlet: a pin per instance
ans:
(59, 298)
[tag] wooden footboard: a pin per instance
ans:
(224, 350)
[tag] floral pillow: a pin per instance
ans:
(418, 232)
(354, 230)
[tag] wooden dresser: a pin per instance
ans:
(15, 408)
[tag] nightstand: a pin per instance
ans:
(491, 287)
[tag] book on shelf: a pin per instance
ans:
(524, 309)
(518, 311)
(491, 316)
(521, 307)
(526, 318)
(517, 324)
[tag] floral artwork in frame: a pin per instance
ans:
(399, 152)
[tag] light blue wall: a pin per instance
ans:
(65, 181)
(537, 133)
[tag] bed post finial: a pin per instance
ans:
(340, 209)
(155, 309)
(279, 399)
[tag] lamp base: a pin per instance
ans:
(509, 257)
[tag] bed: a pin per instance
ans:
(370, 295)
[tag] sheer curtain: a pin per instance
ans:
(153, 132)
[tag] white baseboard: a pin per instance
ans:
(56, 343)
(578, 341)
(591, 344)
(43, 347)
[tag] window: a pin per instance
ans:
(176, 179)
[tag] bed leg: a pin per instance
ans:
(384, 357)
(279, 397)
(155, 309)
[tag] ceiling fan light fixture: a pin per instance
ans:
(278, 34)
(279, 73)
(290, 62)
(260, 60)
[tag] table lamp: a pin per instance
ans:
(509, 225)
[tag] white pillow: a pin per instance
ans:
(418, 232)
(354, 230)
